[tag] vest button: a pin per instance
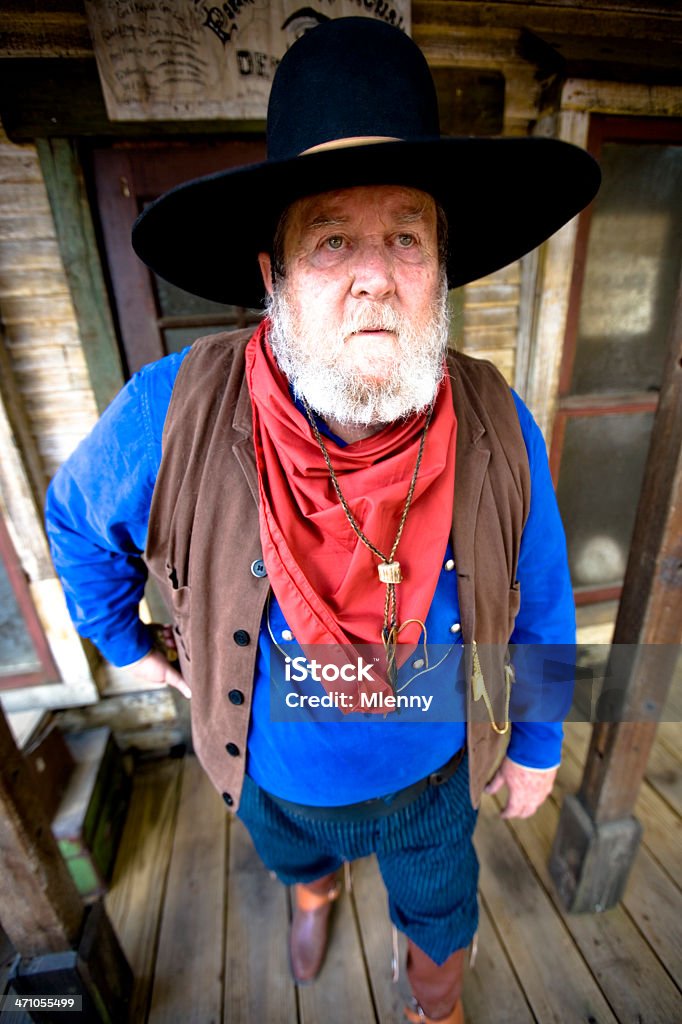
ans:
(232, 749)
(449, 565)
(418, 663)
(228, 799)
(235, 697)
(455, 627)
(241, 638)
(258, 568)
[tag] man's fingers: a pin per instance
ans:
(156, 670)
(175, 680)
(527, 789)
(496, 782)
(517, 810)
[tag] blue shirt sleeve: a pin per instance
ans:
(547, 612)
(97, 512)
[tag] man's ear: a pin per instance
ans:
(265, 264)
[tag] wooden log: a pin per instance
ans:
(662, 824)
(597, 837)
(40, 908)
(97, 972)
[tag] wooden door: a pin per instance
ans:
(154, 317)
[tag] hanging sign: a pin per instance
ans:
(168, 60)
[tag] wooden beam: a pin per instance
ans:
(76, 236)
(597, 836)
(40, 908)
(44, 29)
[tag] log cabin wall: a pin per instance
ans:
(488, 318)
(46, 406)
(42, 337)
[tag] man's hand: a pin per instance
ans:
(155, 668)
(527, 787)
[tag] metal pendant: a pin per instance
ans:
(389, 572)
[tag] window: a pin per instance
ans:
(627, 268)
(25, 658)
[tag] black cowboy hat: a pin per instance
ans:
(353, 103)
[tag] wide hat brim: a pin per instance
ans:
(502, 197)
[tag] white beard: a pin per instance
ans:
(307, 350)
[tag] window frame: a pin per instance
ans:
(602, 128)
(125, 176)
(48, 673)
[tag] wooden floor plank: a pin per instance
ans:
(669, 734)
(258, 984)
(664, 773)
(137, 891)
(610, 943)
(188, 980)
(371, 908)
(655, 904)
(558, 984)
(492, 994)
(536, 964)
(491, 975)
(341, 993)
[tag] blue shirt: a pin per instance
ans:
(97, 512)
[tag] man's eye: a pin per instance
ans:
(405, 241)
(335, 243)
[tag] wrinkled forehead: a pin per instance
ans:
(392, 205)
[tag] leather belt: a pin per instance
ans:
(377, 807)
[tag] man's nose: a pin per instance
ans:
(372, 272)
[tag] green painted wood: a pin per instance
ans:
(76, 237)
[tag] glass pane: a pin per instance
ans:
(17, 653)
(177, 302)
(602, 465)
(632, 270)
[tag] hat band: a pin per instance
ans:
(355, 140)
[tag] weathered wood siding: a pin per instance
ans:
(490, 318)
(41, 331)
(488, 321)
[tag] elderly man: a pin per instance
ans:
(332, 481)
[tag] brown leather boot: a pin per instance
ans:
(437, 989)
(310, 926)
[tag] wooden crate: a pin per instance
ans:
(90, 817)
(52, 761)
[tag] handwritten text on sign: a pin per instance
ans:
(167, 60)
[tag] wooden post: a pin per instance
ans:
(76, 238)
(61, 947)
(40, 908)
(598, 837)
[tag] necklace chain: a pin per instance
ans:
(390, 628)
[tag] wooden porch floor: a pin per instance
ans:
(204, 926)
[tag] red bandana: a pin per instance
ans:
(322, 575)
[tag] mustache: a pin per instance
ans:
(371, 316)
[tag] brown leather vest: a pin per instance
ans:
(203, 543)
